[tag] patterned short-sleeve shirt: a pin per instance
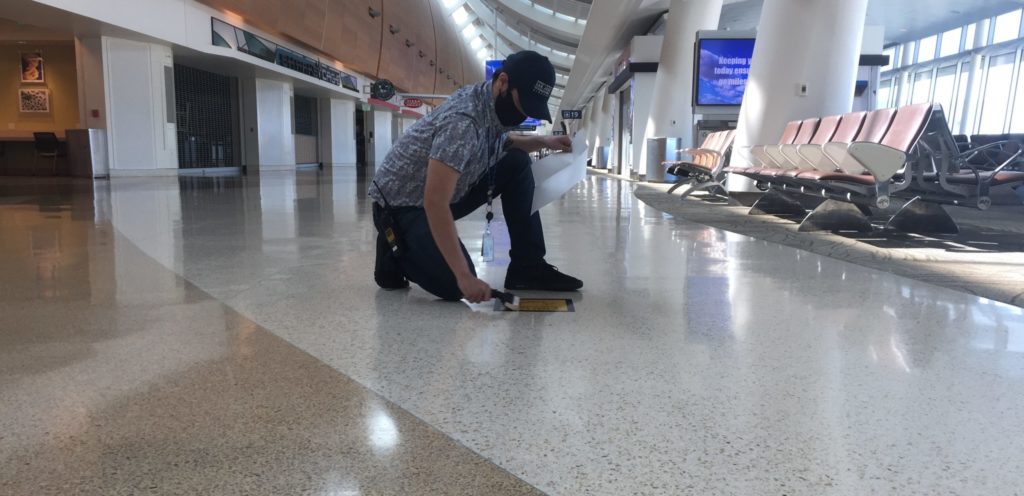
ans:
(463, 133)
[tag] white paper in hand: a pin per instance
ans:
(556, 174)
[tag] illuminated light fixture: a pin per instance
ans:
(481, 53)
(448, 3)
(469, 31)
(461, 15)
(476, 43)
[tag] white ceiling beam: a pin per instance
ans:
(562, 27)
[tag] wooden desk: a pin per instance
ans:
(17, 135)
(17, 153)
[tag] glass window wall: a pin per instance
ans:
(1007, 27)
(950, 42)
(997, 94)
(926, 49)
(922, 87)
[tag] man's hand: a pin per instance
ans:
(531, 144)
(558, 143)
(473, 289)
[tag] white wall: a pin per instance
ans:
(89, 59)
(140, 140)
(274, 124)
(185, 23)
(338, 136)
(381, 135)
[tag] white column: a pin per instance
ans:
(643, 103)
(973, 79)
(590, 126)
(800, 43)
(603, 130)
(643, 49)
(338, 136)
(903, 90)
(91, 98)
(381, 135)
(275, 138)
(594, 135)
(672, 117)
(139, 94)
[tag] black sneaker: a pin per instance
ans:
(386, 273)
(541, 277)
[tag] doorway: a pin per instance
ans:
(206, 110)
(625, 135)
(307, 147)
(364, 136)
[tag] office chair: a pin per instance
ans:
(47, 145)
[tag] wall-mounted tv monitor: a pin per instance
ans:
(722, 63)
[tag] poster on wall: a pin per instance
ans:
(32, 67)
(34, 100)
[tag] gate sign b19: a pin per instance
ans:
(572, 114)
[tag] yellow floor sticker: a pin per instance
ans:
(541, 305)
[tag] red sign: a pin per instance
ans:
(412, 103)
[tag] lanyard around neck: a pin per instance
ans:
(492, 172)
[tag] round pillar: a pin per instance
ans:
(605, 141)
(672, 112)
(671, 120)
(812, 44)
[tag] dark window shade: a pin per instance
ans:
(205, 111)
(305, 115)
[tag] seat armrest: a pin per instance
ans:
(835, 152)
(881, 161)
(814, 158)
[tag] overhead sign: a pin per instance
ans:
(412, 103)
(572, 114)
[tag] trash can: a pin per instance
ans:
(87, 153)
(659, 150)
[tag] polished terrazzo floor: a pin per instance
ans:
(162, 335)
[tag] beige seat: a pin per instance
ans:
(788, 135)
(807, 129)
(868, 162)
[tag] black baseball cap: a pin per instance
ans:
(533, 75)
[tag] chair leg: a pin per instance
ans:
(776, 203)
(923, 217)
(678, 185)
(696, 188)
(835, 215)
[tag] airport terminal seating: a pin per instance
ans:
(705, 169)
(908, 153)
(1008, 144)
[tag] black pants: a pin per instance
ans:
(422, 262)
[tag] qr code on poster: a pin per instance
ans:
(34, 100)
